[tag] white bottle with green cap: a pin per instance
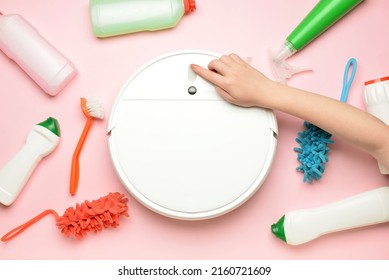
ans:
(41, 141)
(301, 226)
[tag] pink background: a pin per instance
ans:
(249, 28)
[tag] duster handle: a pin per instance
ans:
(18, 230)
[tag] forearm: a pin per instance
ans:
(352, 124)
(242, 85)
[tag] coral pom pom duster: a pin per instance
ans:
(93, 216)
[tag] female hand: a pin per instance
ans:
(237, 81)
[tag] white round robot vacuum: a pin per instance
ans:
(179, 148)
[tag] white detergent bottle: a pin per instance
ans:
(368, 208)
(376, 95)
(42, 139)
(116, 17)
(22, 43)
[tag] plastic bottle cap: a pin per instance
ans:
(52, 125)
(278, 229)
(190, 6)
(377, 80)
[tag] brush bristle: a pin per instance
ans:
(93, 216)
(95, 108)
(313, 153)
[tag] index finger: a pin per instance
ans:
(211, 76)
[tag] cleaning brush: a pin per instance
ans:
(313, 151)
(93, 216)
(91, 109)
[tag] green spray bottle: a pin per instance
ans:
(318, 20)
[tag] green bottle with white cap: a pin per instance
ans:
(116, 17)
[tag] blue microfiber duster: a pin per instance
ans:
(313, 153)
(313, 141)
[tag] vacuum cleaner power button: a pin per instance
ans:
(192, 90)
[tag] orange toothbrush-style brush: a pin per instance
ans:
(89, 216)
(92, 109)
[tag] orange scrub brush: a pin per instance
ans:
(92, 109)
(93, 216)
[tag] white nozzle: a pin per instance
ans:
(281, 69)
(285, 51)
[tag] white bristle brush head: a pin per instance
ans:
(95, 108)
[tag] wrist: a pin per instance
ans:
(268, 92)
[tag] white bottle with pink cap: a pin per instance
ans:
(377, 103)
(21, 42)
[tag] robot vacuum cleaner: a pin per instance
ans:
(179, 148)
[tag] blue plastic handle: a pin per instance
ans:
(347, 81)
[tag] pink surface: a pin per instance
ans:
(249, 28)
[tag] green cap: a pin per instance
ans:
(52, 125)
(278, 229)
